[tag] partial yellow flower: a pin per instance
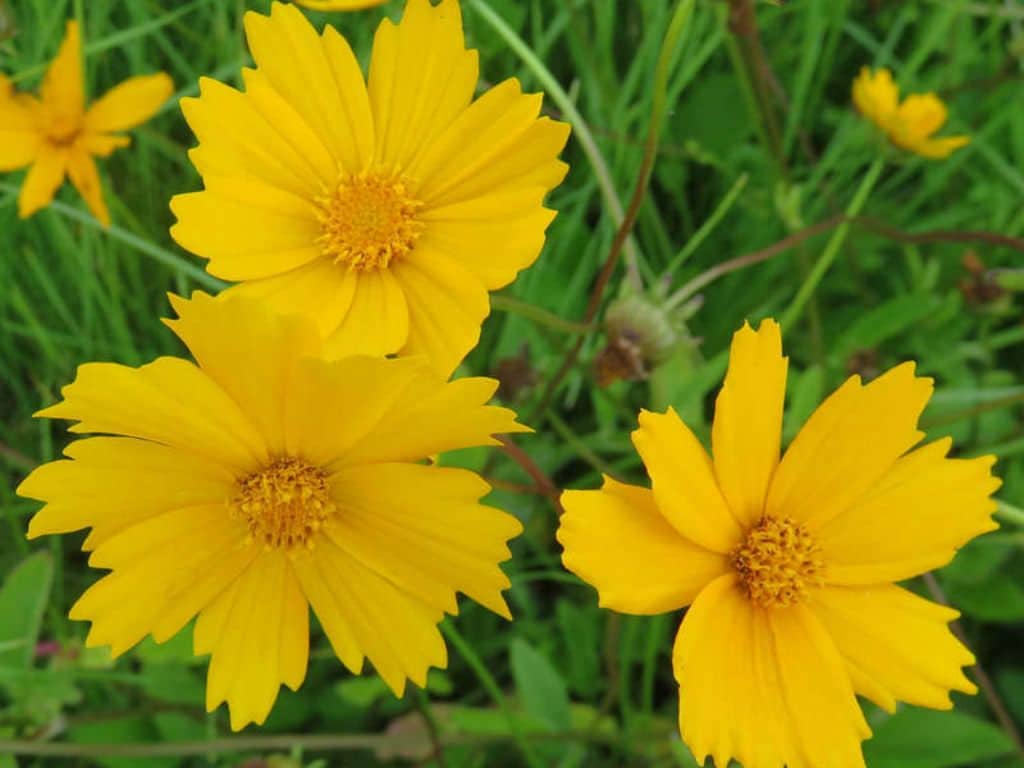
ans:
(910, 124)
(56, 135)
(338, 5)
(266, 480)
(385, 209)
(789, 564)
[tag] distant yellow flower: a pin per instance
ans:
(56, 135)
(788, 564)
(264, 480)
(385, 210)
(338, 5)
(910, 124)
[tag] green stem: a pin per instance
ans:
(465, 650)
(1010, 513)
(835, 243)
(709, 225)
(540, 316)
(565, 104)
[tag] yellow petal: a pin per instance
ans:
(825, 722)
(848, 445)
(338, 5)
(729, 693)
(250, 352)
(509, 227)
(747, 431)
(897, 645)
(248, 231)
(684, 483)
(320, 290)
(422, 529)
(129, 104)
(377, 320)
(876, 96)
(363, 389)
(85, 177)
(433, 417)
(922, 510)
(319, 77)
(236, 139)
(366, 616)
(102, 145)
(920, 115)
(447, 305)
(941, 147)
(63, 88)
(168, 401)
(114, 482)
(257, 633)
(617, 541)
(43, 180)
(421, 79)
(164, 570)
(497, 143)
(20, 139)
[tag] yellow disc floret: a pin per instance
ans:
(778, 562)
(368, 221)
(284, 504)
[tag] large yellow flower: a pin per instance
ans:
(265, 479)
(57, 135)
(909, 124)
(385, 209)
(788, 564)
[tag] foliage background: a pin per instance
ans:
(566, 684)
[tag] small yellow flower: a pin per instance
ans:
(789, 564)
(338, 5)
(910, 124)
(385, 209)
(57, 135)
(266, 480)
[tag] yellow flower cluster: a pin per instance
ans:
(364, 221)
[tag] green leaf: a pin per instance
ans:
(541, 688)
(882, 323)
(924, 738)
(997, 599)
(22, 602)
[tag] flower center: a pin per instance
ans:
(778, 562)
(369, 220)
(63, 130)
(285, 504)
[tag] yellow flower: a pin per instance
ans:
(338, 5)
(789, 564)
(57, 135)
(387, 209)
(910, 124)
(265, 479)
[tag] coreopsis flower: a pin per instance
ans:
(56, 135)
(910, 124)
(787, 566)
(386, 209)
(338, 5)
(265, 480)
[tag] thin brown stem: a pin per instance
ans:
(543, 484)
(988, 688)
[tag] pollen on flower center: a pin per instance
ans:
(368, 221)
(63, 129)
(778, 562)
(284, 504)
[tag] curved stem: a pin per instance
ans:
(540, 316)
